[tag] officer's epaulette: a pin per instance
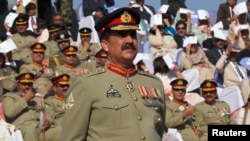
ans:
(94, 72)
(148, 74)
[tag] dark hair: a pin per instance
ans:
(160, 66)
(29, 7)
(180, 22)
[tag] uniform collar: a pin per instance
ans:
(69, 66)
(122, 71)
(36, 64)
(60, 98)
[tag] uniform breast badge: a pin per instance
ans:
(112, 93)
(129, 86)
(69, 101)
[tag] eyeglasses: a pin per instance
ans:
(181, 28)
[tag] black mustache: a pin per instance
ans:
(128, 46)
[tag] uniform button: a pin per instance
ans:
(140, 118)
(116, 107)
(157, 109)
(135, 98)
(143, 137)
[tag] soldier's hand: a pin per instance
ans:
(188, 111)
(46, 124)
(198, 133)
(28, 93)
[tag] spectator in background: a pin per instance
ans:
(168, 24)
(89, 6)
(174, 5)
(45, 10)
(194, 57)
(218, 48)
(65, 7)
(146, 11)
(181, 33)
(4, 10)
(36, 25)
(233, 73)
(159, 42)
(225, 13)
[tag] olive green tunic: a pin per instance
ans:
(99, 107)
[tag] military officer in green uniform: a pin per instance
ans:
(22, 108)
(101, 58)
(86, 49)
(116, 102)
(22, 40)
(180, 114)
(36, 67)
(69, 66)
(212, 111)
(63, 40)
(51, 44)
(54, 107)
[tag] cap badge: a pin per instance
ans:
(62, 36)
(38, 46)
(71, 49)
(65, 78)
(180, 82)
(208, 84)
(27, 76)
(84, 30)
(125, 17)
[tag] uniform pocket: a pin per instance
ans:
(114, 104)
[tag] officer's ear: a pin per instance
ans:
(104, 44)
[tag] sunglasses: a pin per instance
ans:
(61, 85)
(72, 55)
(209, 92)
(182, 90)
(181, 28)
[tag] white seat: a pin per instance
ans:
(232, 96)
